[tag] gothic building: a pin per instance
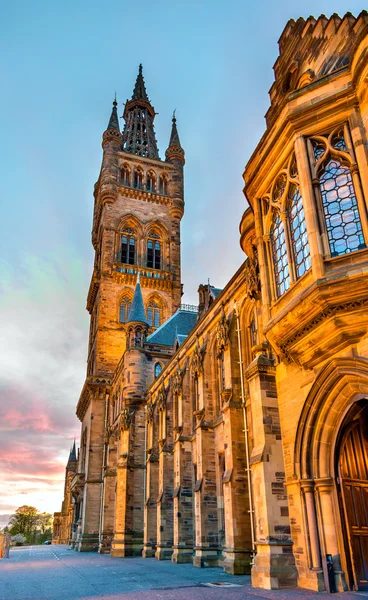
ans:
(236, 434)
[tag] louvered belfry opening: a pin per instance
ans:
(139, 134)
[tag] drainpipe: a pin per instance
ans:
(145, 455)
(104, 455)
(246, 430)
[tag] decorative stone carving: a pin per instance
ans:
(222, 333)
(149, 409)
(196, 363)
(125, 418)
(251, 271)
(161, 398)
(176, 381)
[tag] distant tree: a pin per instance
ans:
(24, 521)
(44, 528)
(19, 539)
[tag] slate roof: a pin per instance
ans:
(215, 292)
(178, 326)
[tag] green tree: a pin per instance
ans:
(25, 521)
(44, 527)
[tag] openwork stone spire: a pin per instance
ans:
(139, 134)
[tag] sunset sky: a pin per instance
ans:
(211, 60)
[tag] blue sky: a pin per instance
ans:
(61, 64)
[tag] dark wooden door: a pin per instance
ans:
(353, 467)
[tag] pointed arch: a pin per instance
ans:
(162, 184)
(156, 310)
(125, 175)
(138, 176)
(156, 235)
(151, 181)
(341, 383)
(125, 300)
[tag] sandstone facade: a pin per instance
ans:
(238, 436)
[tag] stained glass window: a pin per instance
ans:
(344, 228)
(298, 232)
(279, 252)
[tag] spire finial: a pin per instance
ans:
(140, 69)
(114, 120)
(174, 117)
(138, 276)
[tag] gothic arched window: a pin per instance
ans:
(138, 179)
(125, 176)
(298, 230)
(340, 207)
(279, 253)
(163, 185)
(158, 369)
(153, 252)
(124, 310)
(128, 247)
(154, 314)
(151, 182)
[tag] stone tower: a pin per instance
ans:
(136, 230)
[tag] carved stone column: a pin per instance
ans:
(109, 486)
(183, 501)
(327, 525)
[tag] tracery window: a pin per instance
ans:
(124, 310)
(163, 185)
(285, 219)
(128, 247)
(298, 231)
(125, 176)
(151, 182)
(154, 314)
(336, 192)
(138, 179)
(279, 255)
(154, 252)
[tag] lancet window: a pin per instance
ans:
(154, 252)
(138, 179)
(154, 314)
(151, 182)
(128, 247)
(284, 218)
(125, 176)
(158, 369)
(163, 185)
(331, 162)
(124, 310)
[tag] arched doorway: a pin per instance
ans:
(352, 470)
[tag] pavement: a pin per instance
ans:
(58, 573)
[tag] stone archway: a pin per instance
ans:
(339, 386)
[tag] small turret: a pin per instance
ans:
(137, 323)
(175, 155)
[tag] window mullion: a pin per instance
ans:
(289, 249)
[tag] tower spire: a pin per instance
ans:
(174, 150)
(72, 454)
(137, 313)
(139, 92)
(139, 134)
(114, 119)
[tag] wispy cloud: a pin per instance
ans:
(42, 368)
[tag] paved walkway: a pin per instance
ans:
(57, 573)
